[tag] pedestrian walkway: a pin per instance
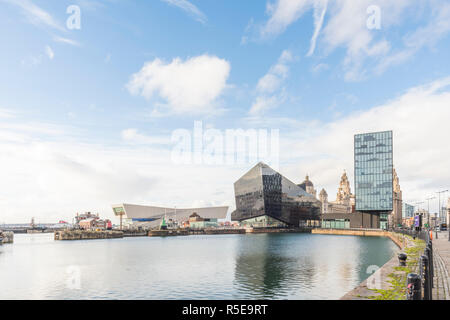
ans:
(441, 259)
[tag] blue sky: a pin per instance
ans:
(229, 64)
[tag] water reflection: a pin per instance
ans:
(292, 266)
(260, 266)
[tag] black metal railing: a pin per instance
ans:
(422, 235)
(420, 286)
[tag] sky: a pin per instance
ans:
(99, 99)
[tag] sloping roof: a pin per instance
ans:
(133, 211)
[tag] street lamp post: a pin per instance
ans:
(429, 210)
(439, 212)
(440, 209)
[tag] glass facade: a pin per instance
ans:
(264, 192)
(210, 223)
(408, 210)
(383, 221)
(374, 171)
(336, 224)
(119, 211)
(263, 222)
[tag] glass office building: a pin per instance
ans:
(374, 172)
(408, 210)
(264, 198)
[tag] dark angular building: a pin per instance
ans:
(264, 198)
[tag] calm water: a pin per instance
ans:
(261, 266)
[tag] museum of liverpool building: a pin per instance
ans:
(265, 198)
(151, 216)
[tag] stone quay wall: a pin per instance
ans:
(396, 238)
(87, 235)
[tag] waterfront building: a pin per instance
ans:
(344, 199)
(373, 155)
(265, 198)
(209, 223)
(323, 197)
(151, 216)
(89, 221)
(341, 214)
(443, 215)
(197, 222)
(408, 210)
(353, 220)
(396, 216)
(448, 213)
(408, 222)
(95, 223)
(308, 186)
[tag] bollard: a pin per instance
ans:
(429, 253)
(402, 259)
(425, 275)
(414, 289)
(430, 245)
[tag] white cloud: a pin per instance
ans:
(35, 60)
(428, 35)
(49, 171)
(49, 52)
(265, 103)
(282, 14)
(319, 68)
(7, 113)
(51, 174)
(269, 87)
(36, 15)
(188, 7)
(320, 9)
(190, 86)
(66, 40)
(31, 61)
(346, 27)
(134, 137)
(272, 80)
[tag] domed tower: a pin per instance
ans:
(308, 186)
(344, 193)
(323, 197)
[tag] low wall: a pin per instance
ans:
(87, 235)
(167, 233)
(389, 281)
(398, 240)
(224, 231)
(186, 232)
(277, 230)
(135, 233)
